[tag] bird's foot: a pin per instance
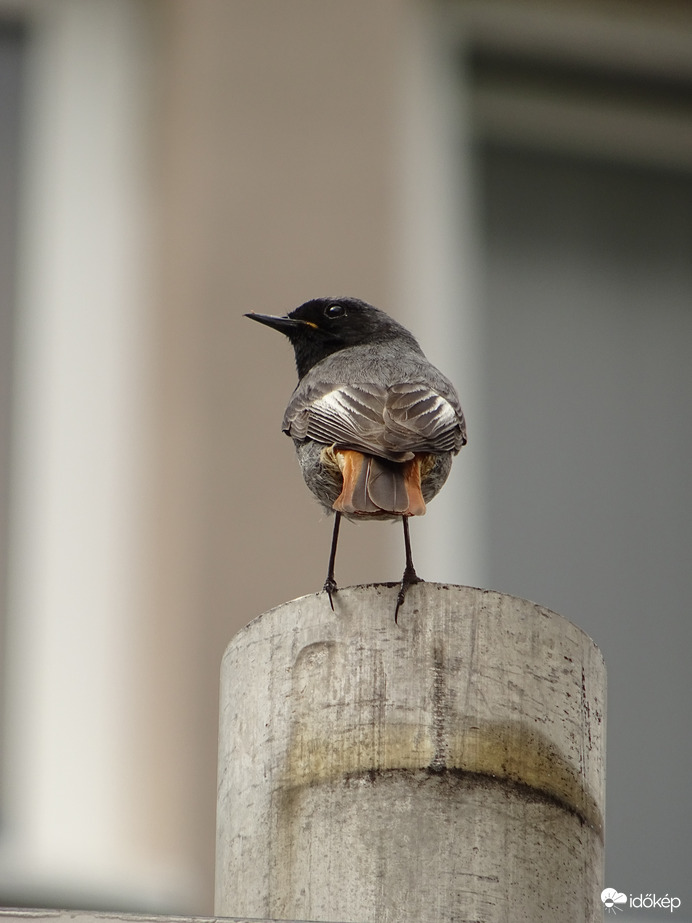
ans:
(410, 577)
(330, 588)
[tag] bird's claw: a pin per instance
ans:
(410, 577)
(330, 588)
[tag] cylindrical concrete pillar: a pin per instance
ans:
(448, 768)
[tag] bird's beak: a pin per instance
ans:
(283, 324)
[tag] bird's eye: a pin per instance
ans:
(335, 310)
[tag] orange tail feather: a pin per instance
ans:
(372, 486)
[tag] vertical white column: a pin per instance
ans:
(79, 417)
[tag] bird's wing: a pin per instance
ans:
(391, 422)
(419, 417)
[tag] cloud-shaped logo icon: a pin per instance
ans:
(611, 897)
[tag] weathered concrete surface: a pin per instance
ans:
(450, 768)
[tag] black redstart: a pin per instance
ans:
(374, 424)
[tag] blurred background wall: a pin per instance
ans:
(511, 180)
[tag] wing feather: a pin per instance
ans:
(392, 422)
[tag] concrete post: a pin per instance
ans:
(450, 768)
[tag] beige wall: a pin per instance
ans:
(274, 131)
(185, 161)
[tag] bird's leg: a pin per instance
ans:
(410, 576)
(330, 586)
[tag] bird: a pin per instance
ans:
(374, 424)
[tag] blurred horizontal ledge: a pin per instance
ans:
(12, 915)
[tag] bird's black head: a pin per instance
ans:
(324, 326)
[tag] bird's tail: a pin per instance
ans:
(373, 486)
